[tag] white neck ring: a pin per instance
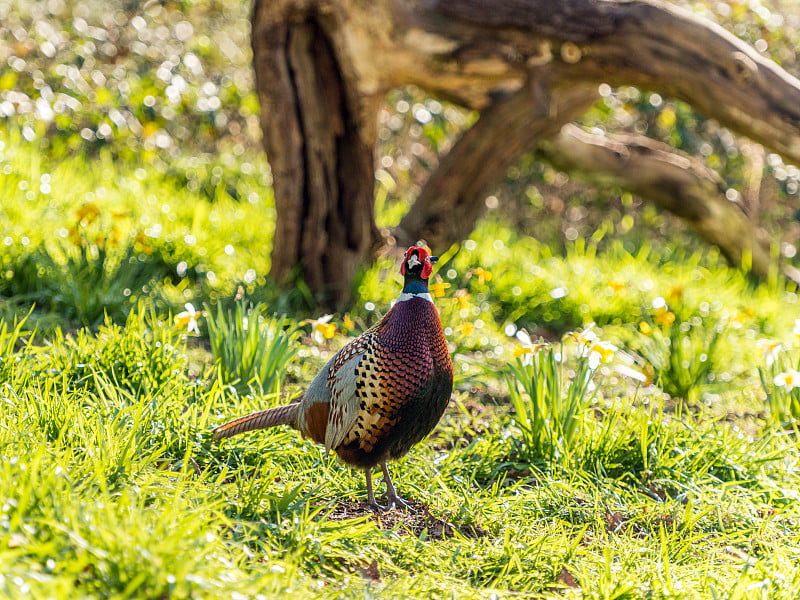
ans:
(406, 296)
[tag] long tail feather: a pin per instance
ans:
(282, 415)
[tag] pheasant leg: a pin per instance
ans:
(394, 501)
(391, 493)
(370, 494)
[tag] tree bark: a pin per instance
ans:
(321, 156)
(505, 131)
(646, 43)
(682, 185)
(677, 183)
(322, 67)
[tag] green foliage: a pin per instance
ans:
(549, 406)
(139, 81)
(141, 357)
(111, 486)
(92, 281)
(251, 351)
(95, 238)
(112, 422)
(672, 452)
(114, 489)
(12, 339)
(682, 348)
(780, 381)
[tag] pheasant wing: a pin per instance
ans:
(386, 381)
(342, 383)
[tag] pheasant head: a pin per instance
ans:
(418, 263)
(416, 269)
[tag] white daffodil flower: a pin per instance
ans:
(601, 352)
(321, 330)
(526, 348)
(188, 318)
(770, 349)
(789, 379)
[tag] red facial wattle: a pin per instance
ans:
(427, 268)
(423, 257)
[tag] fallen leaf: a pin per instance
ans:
(370, 571)
(567, 578)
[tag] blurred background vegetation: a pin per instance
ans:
(170, 86)
(131, 153)
(132, 168)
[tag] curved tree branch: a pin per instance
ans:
(677, 183)
(646, 43)
(655, 171)
(451, 200)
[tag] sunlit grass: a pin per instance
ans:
(112, 487)
(683, 485)
(96, 238)
(251, 351)
(550, 400)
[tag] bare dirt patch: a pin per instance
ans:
(413, 520)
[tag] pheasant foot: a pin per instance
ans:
(393, 499)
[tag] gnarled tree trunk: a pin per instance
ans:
(323, 66)
(320, 150)
(672, 180)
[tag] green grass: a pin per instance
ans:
(112, 487)
(533, 484)
(549, 407)
(252, 352)
(98, 238)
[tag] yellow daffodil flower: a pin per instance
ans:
(466, 328)
(438, 287)
(460, 298)
(605, 350)
(88, 212)
(665, 317)
(526, 348)
(483, 275)
(737, 319)
(519, 350)
(675, 293)
(321, 330)
(616, 285)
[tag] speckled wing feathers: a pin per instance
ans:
(342, 382)
(388, 376)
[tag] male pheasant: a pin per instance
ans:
(381, 393)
